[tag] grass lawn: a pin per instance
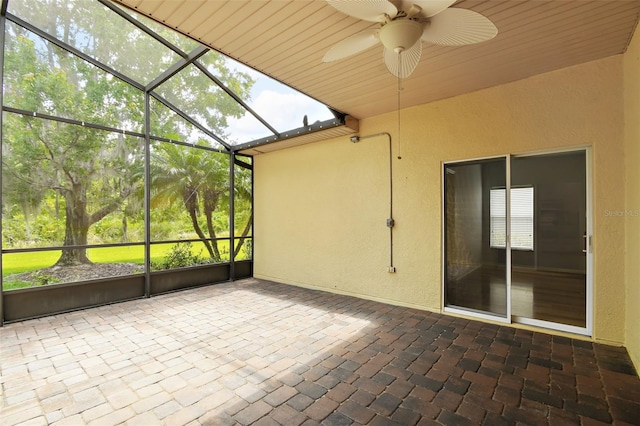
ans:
(15, 263)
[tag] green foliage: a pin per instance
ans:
(195, 178)
(245, 251)
(40, 278)
(180, 256)
(66, 184)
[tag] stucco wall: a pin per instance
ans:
(632, 218)
(321, 208)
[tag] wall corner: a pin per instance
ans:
(631, 85)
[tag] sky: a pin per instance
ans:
(280, 105)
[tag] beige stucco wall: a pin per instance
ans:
(632, 218)
(321, 208)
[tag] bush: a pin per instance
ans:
(40, 278)
(180, 256)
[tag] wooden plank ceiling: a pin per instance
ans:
(286, 39)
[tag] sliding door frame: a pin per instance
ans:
(588, 329)
(459, 310)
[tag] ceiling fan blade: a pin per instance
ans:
(432, 7)
(352, 45)
(367, 10)
(402, 64)
(458, 27)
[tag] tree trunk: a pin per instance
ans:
(210, 203)
(196, 227)
(191, 204)
(78, 221)
(125, 227)
(76, 228)
(214, 241)
(243, 237)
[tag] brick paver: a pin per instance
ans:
(257, 352)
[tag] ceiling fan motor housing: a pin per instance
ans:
(400, 34)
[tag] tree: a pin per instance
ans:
(93, 181)
(196, 177)
(93, 173)
(199, 179)
(91, 170)
(243, 204)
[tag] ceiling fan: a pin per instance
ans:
(404, 24)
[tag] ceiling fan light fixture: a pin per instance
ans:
(401, 34)
(404, 27)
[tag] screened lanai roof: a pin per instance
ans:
(243, 108)
(287, 39)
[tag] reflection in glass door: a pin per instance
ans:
(517, 240)
(549, 279)
(475, 272)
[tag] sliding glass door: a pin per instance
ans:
(549, 278)
(517, 239)
(475, 271)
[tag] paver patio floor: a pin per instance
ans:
(259, 352)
